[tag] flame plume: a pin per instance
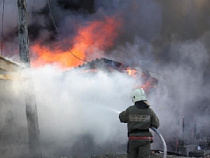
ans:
(96, 35)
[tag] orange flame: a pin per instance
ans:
(131, 72)
(148, 85)
(148, 82)
(96, 35)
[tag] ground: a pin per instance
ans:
(154, 155)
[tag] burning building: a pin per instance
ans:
(148, 80)
(156, 36)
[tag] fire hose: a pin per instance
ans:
(163, 141)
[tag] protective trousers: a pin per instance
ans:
(138, 149)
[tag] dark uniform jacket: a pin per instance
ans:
(139, 118)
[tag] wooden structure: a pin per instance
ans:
(9, 70)
(13, 124)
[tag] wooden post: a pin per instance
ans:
(31, 108)
(23, 33)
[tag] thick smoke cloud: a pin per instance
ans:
(157, 22)
(168, 38)
(186, 97)
(78, 112)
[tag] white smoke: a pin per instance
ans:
(73, 104)
(154, 36)
(183, 93)
(183, 89)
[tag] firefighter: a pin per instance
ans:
(139, 118)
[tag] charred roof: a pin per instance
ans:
(104, 64)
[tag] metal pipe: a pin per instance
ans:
(163, 141)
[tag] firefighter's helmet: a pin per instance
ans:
(138, 95)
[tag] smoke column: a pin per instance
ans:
(168, 38)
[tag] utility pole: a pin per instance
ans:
(30, 101)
